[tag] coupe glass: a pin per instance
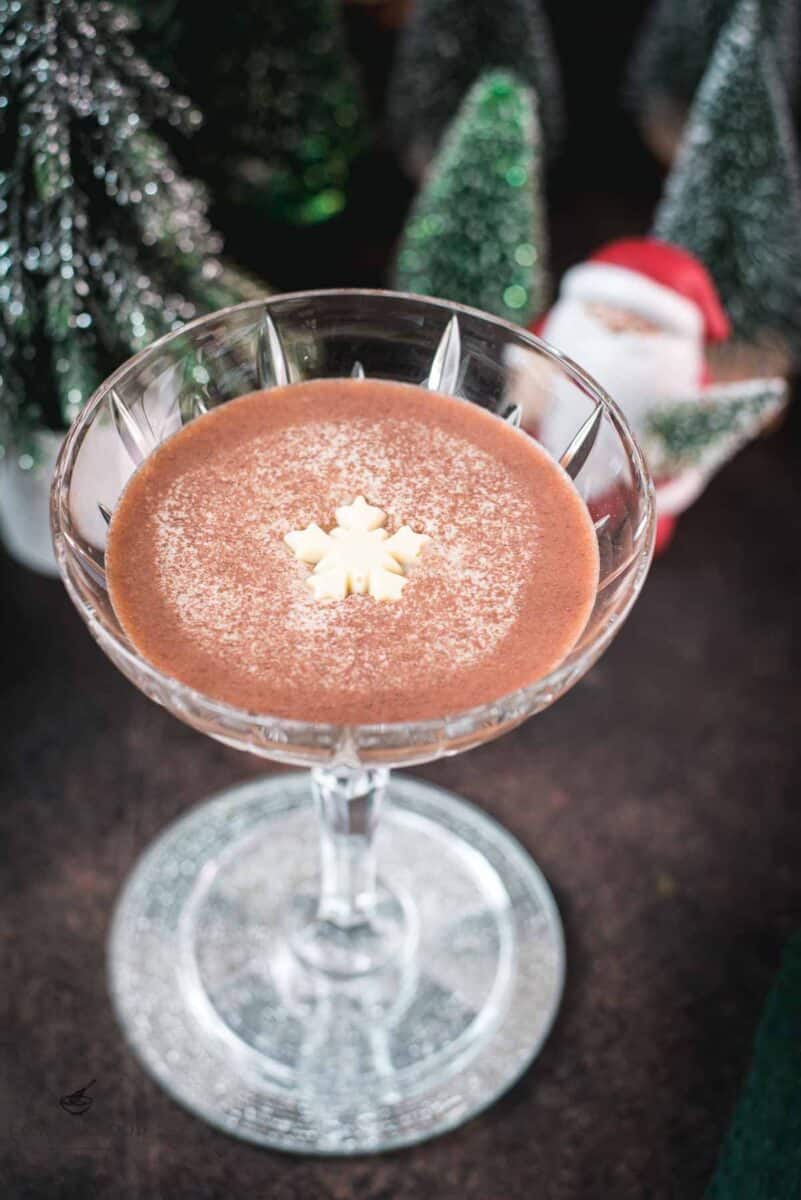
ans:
(268, 974)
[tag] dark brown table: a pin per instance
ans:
(661, 798)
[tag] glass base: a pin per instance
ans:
(233, 1021)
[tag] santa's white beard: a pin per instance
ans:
(638, 370)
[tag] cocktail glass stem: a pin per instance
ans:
(349, 802)
(358, 926)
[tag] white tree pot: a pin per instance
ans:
(25, 503)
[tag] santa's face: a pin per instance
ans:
(640, 364)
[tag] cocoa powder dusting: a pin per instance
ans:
(207, 590)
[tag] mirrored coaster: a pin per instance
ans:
(228, 1015)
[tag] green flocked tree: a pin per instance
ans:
(284, 114)
(676, 44)
(703, 435)
(446, 45)
(476, 233)
(761, 1155)
(734, 196)
(103, 245)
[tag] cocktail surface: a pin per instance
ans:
(208, 590)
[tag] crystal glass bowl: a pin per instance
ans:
(269, 977)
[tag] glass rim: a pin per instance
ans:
(520, 702)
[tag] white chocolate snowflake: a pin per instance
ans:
(357, 555)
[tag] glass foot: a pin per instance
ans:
(225, 1008)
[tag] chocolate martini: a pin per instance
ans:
(352, 551)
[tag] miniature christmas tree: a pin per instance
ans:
(283, 112)
(761, 1155)
(103, 245)
(446, 46)
(476, 233)
(733, 197)
(705, 432)
(675, 47)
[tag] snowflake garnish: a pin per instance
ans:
(358, 555)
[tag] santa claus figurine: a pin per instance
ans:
(638, 316)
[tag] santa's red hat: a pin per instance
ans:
(660, 282)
